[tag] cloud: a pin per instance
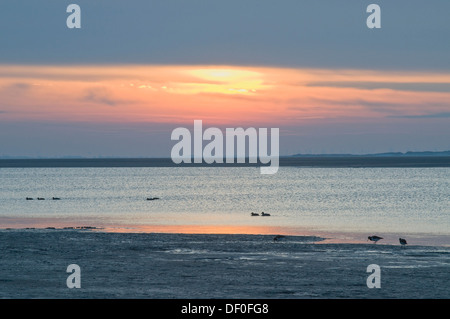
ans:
(10, 91)
(366, 103)
(377, 104)
(397, 86)
(17, 88)
(20, 86)
(423, 116)
(102, 96)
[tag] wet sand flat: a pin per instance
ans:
(153, 265)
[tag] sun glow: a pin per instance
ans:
(227, 81)
(228, 75)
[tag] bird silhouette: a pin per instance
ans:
(374, 238)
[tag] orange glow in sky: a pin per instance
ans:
(216, 94)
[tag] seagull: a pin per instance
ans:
(254, 214)
(402, 241)
(374, 238)
(264, 214)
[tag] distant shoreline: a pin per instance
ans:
(293, 161)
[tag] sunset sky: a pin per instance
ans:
(138, 69)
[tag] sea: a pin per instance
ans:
(339, 203)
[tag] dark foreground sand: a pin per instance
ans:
(33, 264)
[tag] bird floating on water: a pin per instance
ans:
(56, 198)
(402, 241)
(29, 198)
(40, 198)
(152, 198)
(374, 238)
(278, 237)
(254, 214)
(264, 214)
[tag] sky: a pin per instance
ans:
(138, 69)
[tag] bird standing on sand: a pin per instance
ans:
(402, 241)
(374, 238)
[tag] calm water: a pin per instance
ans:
(395, 200)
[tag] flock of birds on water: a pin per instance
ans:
(373, 238)
(262, 214)
(57, 198)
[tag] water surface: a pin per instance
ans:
(301, 200)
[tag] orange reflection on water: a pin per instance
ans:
(204, 229)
